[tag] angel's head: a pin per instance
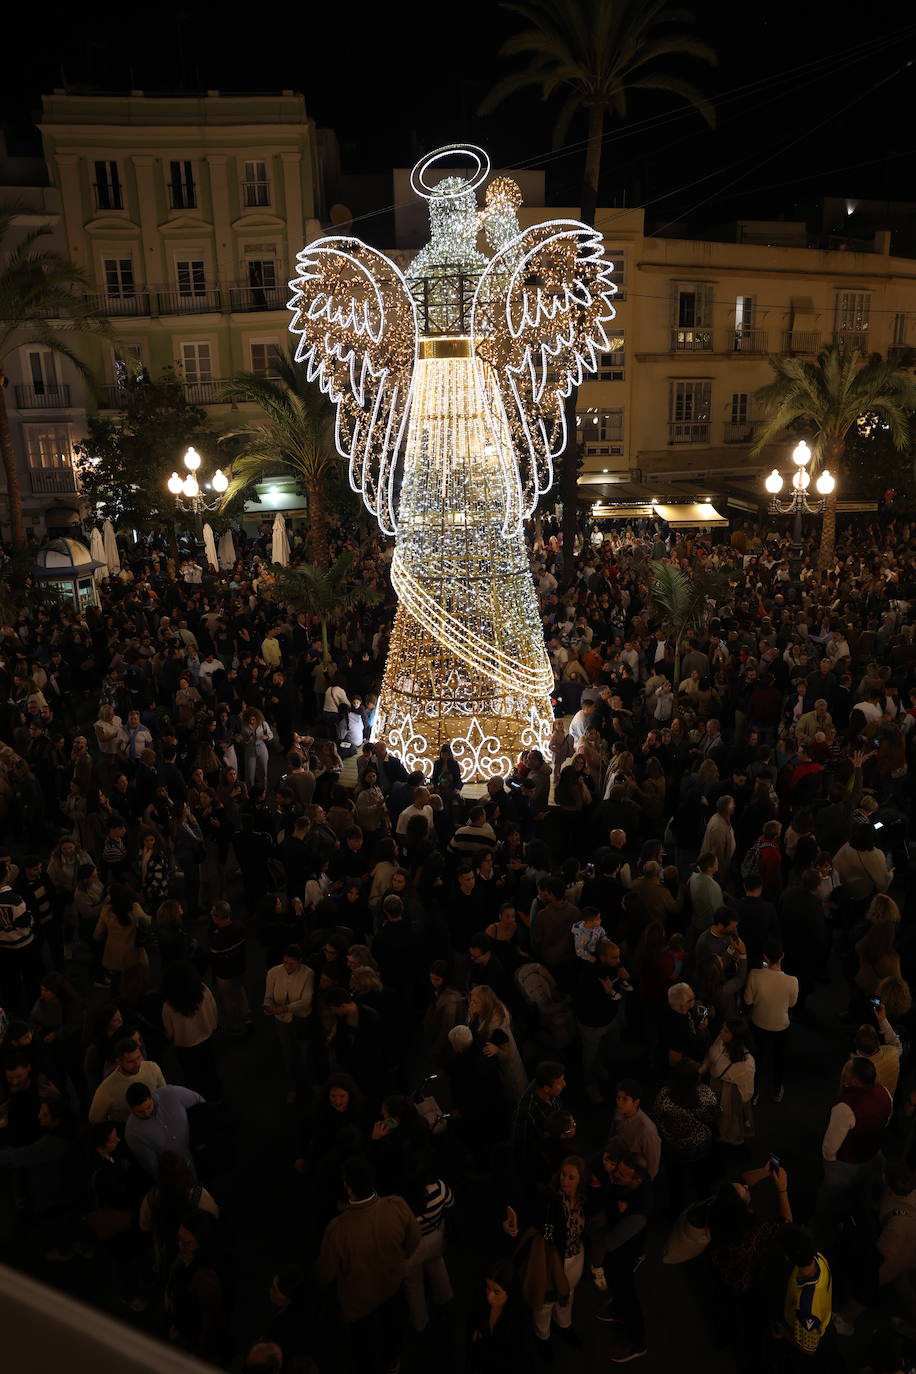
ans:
(453, 218)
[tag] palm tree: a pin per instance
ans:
(297, 432)
(681, 602)
(323, 592)
(43, 300)
(595, 52)
(831, 397)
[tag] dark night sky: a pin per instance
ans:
(392, 92)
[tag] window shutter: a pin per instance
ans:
(673, 309)
(704, 304)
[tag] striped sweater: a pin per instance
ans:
(17, 929)
(439, 1197)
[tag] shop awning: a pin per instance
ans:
(699, 513)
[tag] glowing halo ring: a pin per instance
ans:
(476, 154)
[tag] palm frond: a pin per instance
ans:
(831, 395)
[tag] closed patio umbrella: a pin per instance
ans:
(227, 551)
(210, 547)
(280, 546)
(97, 549)
(111, 547)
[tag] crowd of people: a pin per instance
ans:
(305, 1055)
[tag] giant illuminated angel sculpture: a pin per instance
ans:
(449, 385)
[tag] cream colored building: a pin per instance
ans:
(186, 214)
(675, 402)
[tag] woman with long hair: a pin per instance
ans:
(198, 1294)
(190, 1019)
(730, 1070)
(491, 1026)
(155, 869)
(124, 927)
(888, 769)
(495, 1330)
(684, 1112)
(447, 1008)
(256, 735)
(861, 866)
(175, 1193)
(560, 1219)
(369, 801)
(877, 949)
(341, 813)
(650, 796)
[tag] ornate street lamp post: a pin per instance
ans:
(799, 502)
(187, 492)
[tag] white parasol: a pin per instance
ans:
(210, 547)
(111, 547)
(227, 551)
(97, 552)
(280, 548)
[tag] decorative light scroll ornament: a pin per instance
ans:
(449, 384)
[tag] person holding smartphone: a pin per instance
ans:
(881, 1045)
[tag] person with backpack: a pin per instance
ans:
(765, 858)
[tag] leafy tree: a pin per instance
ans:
(325, 593)
(872, 462)
(682, 602)
(43, 301)
(595, 53)
(19, 591)
(297, 432)
(126, 460)
(831, 397)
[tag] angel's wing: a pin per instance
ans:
(358, 338)
(539, 322)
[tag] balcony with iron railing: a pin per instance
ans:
(801, 341)
(57, 481)
(852, 338)
(239, 297)
(120, 303)
(195, 301)
(245, 297)
(691, 341)
(750, 341)
(739, 431)
(199, 393)
(51, 396)
(688, 432)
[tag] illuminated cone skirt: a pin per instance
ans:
(467, 664)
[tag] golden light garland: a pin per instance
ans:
(464, 365)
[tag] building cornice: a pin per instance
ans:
(703, 270)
